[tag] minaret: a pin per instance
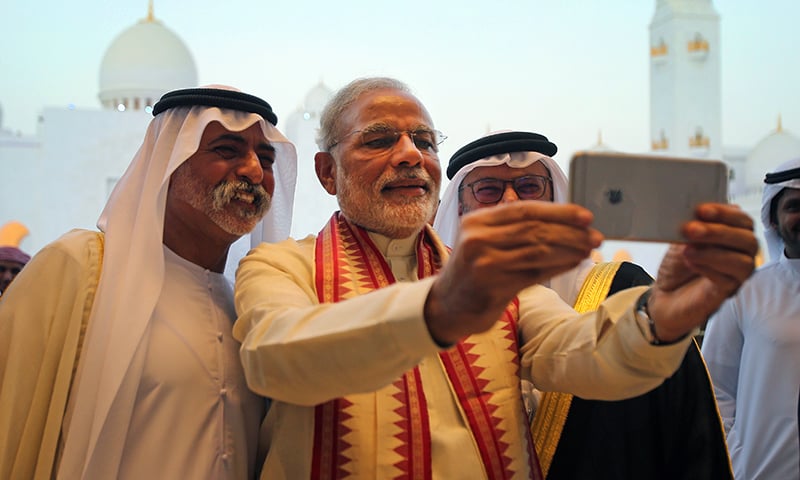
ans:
(685, 85)
(313, 205)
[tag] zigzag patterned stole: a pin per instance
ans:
(387, 432)
(494, 410)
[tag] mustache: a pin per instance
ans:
(226, 191)
(417, 173)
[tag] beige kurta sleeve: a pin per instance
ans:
(600, 355)
(298, 351)
(40, 323)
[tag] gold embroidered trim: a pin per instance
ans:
(551, 413)
(596, 286)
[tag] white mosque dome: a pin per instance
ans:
(144, 62)
(770, 152)
(316, 98)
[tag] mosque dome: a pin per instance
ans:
(316, 98)
(774, 149)
(144, 62)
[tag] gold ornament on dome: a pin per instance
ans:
(150, 16)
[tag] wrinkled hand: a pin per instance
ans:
(695, 278)
(500, 251)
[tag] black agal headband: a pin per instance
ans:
(505, 142)
(213, 97)
(780, 177)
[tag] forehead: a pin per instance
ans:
(397, 108)
(215, 130)
(10, 264)
(505, 172)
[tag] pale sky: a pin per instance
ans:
(568, 69)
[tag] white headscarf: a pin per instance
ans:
(111, 362)
(774, 241)
(448, 223)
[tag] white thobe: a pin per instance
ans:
(194, 416)
(752, 349)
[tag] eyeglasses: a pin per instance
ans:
(491, 190)
(383, 138)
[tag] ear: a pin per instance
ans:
(325, 166)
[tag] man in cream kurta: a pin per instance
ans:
(388, 357)
(124, 366)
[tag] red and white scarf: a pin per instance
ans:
(395, 419)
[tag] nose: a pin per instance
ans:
(405, 152)
(249, 167)
(509, 194)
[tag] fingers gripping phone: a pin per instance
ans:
(644, 197)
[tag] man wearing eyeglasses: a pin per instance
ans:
(576, 437)
(388, 356)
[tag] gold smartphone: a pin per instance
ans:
(644, 197)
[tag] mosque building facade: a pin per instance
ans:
(686, 115)
(685, 103)
(63, 175)
(77, 155)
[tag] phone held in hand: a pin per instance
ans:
(644, 197)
